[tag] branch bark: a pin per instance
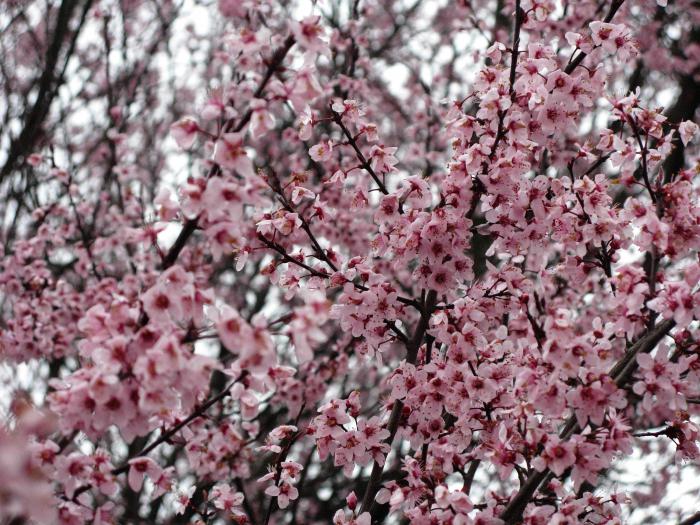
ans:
(411, 355)
(48, 85)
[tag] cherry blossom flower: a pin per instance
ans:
(340, 518)
(183, 498)
(322, 151)
(226, 499)
(141, 467)
(687, 129)
(309, 33)
(262, 119)
(557, 456)
(231, 154)
(284, 313)
(184, 131)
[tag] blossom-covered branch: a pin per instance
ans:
(349, 262)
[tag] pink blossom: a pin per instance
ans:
(557, 456)
(340, 518)
(184, 131)
(262, 119)
(282, 322)
(183, 498)
(687, 129)
(321, 152)
(284, 494)
(231, 154)
(141, 467)
(225, 499)
(309, 33)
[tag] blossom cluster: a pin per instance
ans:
(350, 262)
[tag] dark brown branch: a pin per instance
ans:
(360, 156)
(516, 44)
(24, 143)
(691, 520)
(392, 426)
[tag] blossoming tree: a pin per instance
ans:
(350, 261)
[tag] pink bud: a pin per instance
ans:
(352, 500)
